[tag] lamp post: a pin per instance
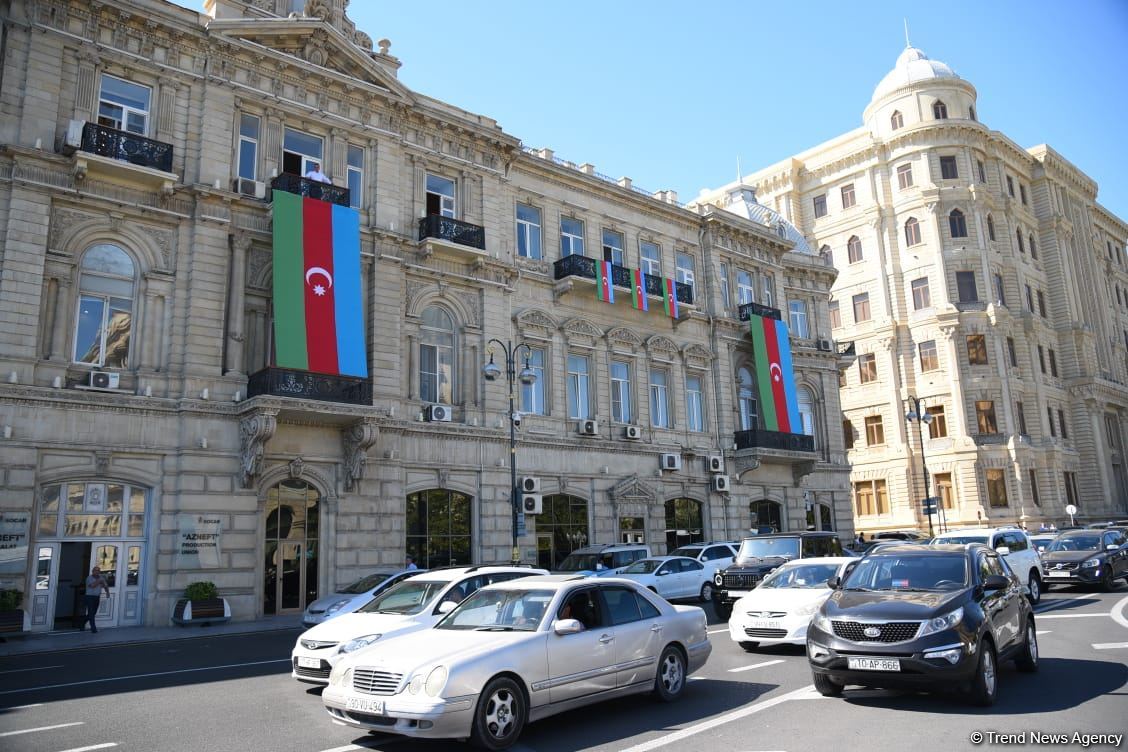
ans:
(916, 414)
(528, 376)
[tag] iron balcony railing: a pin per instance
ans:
(291, 183)
(454, 230)
(755, 309)
(286, 382)
(582, 266)
(846, 348)
(758, 438)
(127, 147)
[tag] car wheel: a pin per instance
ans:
(985, 684)
(500, 715)
(670, 680)
(1027, 658)
(826, 686)
(707, 592)
(750, 647)
(1108, 583)
(724, 610)
(1035, 584)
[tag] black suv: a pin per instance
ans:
(1087, 557)
(923, 618)
(759, 556)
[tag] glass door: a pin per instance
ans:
(291, 582)
(545, 559)
(42, 589)
(107, 557)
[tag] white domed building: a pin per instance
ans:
(983, 287)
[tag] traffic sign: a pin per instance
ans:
(928, 506)
(520, 524)
(1070, 510)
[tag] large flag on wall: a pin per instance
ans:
(779, 404)
(318, 312)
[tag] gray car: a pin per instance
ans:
(354, 595)
(516, 652)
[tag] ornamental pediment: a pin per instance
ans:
(632, 489)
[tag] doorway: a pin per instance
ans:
(290, 547)
(60, 582)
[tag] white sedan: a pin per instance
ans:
(672, 577)
(779, 610)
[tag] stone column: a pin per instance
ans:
(271, 144)
(86, 90)
(59, 320)
(236, 320)
(951, 347)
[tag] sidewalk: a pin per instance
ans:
(72, 639)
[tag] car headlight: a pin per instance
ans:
(808, 610)
(340, 676)
(337, 606)
(822, 621)
(436, 681)
(940, 623)
(1090, 563)
(358, 642)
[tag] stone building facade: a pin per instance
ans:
(986, 281)
(147, 430)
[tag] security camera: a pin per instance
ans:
(516, 418)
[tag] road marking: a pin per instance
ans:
(755, 665)
(718, 631)
(41, 728)
(23, 707)
(37, 668)
(1118, 613)
(143, 676)
(1069, 616)
(1061, 602)
(1043, 631)
(720, 720)
(107, 745)
(1110, 645)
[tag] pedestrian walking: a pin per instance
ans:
(95, 585)
(409, 563)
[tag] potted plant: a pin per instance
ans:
(201, 605)
(13, 620)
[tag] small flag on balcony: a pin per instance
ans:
(670, 297)
(638, 292)
(604, 287)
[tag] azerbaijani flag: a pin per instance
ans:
(638, 292)
(318, 312)
(604, 287)
(779, 404)
(670, 297)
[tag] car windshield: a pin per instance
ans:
(809, 576)
(1075, 543)
(583, 562)
(408, 597)
(1041, 543)
(766, 548)
(643, 566)
(906, 572)
(961, 539)
(499, 611)
(364, 584)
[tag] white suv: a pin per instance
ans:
(713, 556)
(1014, 545)
(416, 603)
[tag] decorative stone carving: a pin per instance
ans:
(472, 307)
(623, 336)
(296, 468)
(443, 476)
(533, 322)
(257, 262)
(102, 463)
(744, 464)
(632, 489)
(254, 431)
(358, 439)
(801, 470)
(582, 332)
(662, 347)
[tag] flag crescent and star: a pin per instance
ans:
(779, 403)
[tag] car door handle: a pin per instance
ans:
(656, 628)
(606, 638)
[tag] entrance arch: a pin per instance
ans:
(683, 523)
(291, 547)
(767, 516)
(561, 528)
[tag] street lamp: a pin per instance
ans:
(918, 415)
(490, 371)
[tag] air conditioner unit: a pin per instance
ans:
(588, 427)
(73, 139)
(438, 413)
(632, 432)
(670, 461)
(721, 483)
(715, 463)
(104, 380)
(532, 503)
(824, 345)
(256, 188)
(529, 484)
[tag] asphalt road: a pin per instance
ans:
(215, 694)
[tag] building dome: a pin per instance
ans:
(742, 202)
(912, 66)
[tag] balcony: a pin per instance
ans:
(108, 152)
(452, 237)
(761, 439)
(315, 189)
(747, 310)
(986, 439)
(305, 385)
(584, 268)
(965, 306)
(846, 349)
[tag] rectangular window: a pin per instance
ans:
(1061, 424)
(1041, 304)
(528, 231)
(1029, 299)
(440, 196)
(695, 404)
(835, 315)
(532, 395)
(620, 392)
(977, 349)
(300, 151)
(124, 105)
(929, 357)
(921, 296)
(1042, 358)
(613, 247)
(571, 237)
(875, 431)
(1020, 414)
(435, 371)
(985, 417)
(659, 403)
(1012, 353)
(848, 434)
(1034, 487)
(982, 170)
(938, 427)
(797, 315)
(867, 368)
(1010, 186)
(248, 147)
(861, 308)
(1071, 496)
(650, 258)
(820, 206)
(1022, 193)
(745, 290)
(578, 375)
(905, 176)
(996, 487)
(769, 288)
(965, 286)
(871, 497)
(724, 282)
(944, 489)
(1053, 362)
(1000, 291)
(848, 199)
(854, 250)
(355, 176)
(948, 170)
(1050, 420)
(685, 272)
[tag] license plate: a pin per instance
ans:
(765, 624)
(872, 664)
(365, 705)
(1057, 573)
(304, 662)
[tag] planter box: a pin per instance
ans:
(14, 623)
(210, 611)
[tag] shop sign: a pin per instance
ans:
(197, 545)
(14, 531)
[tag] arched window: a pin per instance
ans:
(827, 255)
(291, 547)
(854, 249)
(562, 527)
(990, 227)
(436, 356)
(1021, 245)
(806, 411)
(438, 528)
(971, 112)
(767, 516)
(683, 523)
(912, 231)
(746, 400)
(939, 110)
(105, 307)
(896, 121)
(957, 223)
(1033, 248)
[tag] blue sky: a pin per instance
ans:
(672, 94)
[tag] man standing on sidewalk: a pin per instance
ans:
(95, 584)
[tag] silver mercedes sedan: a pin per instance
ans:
(516, 652)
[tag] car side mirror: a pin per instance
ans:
(995, 582)
(834, 582)
(567, 626)
(662, 573)
(446, 607)
(1112, 547)
(1004, 550)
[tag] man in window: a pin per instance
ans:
(315, 173)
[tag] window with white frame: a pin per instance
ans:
(124, 105)
(905, 176)
(806, 410)
(659, 398)
(248, 146)
(724, 281)
(620, 392)
(436, 356)
(354, 175)
(695, 403)
(650, 258)
(922, 297)
(532, 395)
(797, 317)
(835, 314)
(685, 272)
(528, 231)
(104, 322)
(745, 287)
(746, 400)
(579, 372)
(300, 151)
(440, 196)
(613, 247)
(571, 237)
